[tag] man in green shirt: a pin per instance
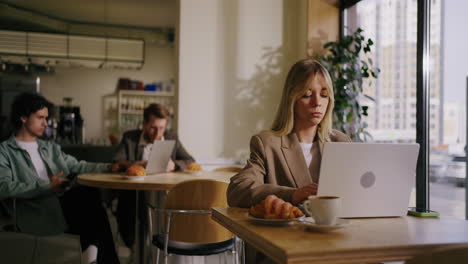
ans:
(41, 179)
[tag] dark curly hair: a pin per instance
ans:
(26, 104)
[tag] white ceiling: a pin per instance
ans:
(138, 13)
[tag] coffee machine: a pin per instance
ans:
(70, 126)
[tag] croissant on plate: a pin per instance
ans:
(275, 208)
(194, 167)
(136, 170)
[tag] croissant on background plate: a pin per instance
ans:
(275, 208)
(136, 170)
(194, 167)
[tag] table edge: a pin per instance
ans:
(141, 186)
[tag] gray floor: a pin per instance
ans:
(447, 199)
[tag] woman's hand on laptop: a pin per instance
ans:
(302, 193)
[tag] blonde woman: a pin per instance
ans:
(285, 161)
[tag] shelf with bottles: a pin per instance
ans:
(132, 112)
(144, 93)
(128, 86)
(131, 106)
(130, 122)
(136, 104)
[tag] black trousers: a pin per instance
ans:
(86, 217)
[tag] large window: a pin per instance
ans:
(392, 24)
(448, 71)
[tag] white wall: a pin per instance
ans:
(455, 56)
(233, 57)
(88, 87)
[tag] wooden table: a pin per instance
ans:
(157, 182)
(363, 241)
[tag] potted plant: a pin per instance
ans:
(349, 63)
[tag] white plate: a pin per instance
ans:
(136, 178)
(275, 222)
(310, 225)
(194, 172)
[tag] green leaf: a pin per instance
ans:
(349, 117)
(364, 110)
(328, 44)
(357, 48)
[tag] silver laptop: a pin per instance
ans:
(159, 157)
(373, 179)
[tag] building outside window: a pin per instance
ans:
(392, 24)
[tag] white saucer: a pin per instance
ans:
(310, 224)
(194, 172)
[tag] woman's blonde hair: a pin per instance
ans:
(297, 82)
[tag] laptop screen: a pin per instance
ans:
(159, 157)
(373, 179)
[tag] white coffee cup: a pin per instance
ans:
(324, 209)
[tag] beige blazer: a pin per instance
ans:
(276, 166)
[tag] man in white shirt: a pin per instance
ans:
(135, 146)
(40, 177)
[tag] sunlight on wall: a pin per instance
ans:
(233, 57)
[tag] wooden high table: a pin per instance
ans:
(157, 182)
(367, 240)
